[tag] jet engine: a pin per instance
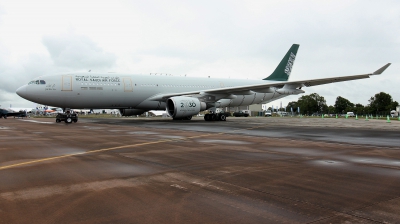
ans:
(131, 112)
(182, 107)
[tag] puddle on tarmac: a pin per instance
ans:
(375, 161)
(218, 141)
(328, 162)
(40, 122)
(92, 128)
(14, 137)
(170, 136)
(300, 151)
(142, 133)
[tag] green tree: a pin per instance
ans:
(381, 103)
(331, 110)
(292, 105)
(394, 105)
(343, 105)
(359, 109)
(312, 103)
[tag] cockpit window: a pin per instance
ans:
(37, 82)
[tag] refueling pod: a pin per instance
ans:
(182, 107)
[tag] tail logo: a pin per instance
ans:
(289, 64)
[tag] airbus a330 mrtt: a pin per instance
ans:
(182, 97)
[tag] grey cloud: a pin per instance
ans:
(77, 52)
(15, 75)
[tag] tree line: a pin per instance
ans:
(380, 104)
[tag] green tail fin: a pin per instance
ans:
(282, 72)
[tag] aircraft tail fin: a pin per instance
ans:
(282, 72)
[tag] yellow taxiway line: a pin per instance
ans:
(119, 147)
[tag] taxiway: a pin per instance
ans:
(244, 170)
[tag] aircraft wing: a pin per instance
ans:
(316, 82)
(15, 114)
(267, 87)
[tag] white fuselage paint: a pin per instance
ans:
(110, 90)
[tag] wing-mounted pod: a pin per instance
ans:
(290, 89)
(182, 107)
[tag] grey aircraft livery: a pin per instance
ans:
(182, 97)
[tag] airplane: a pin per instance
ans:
(4, 113)
(181, 97)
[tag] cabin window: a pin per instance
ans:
(42, 82)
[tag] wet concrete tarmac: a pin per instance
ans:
(244, 170)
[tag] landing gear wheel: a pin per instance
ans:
(189, 118)
(222, 117)
(214, 117)
(58, 120)
(75, 120)
(207, 117)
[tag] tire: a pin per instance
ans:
(207, 117)
(68, 120)
(189, 118)
(75, 120)
(214, 117)
(5, 116)
(58, 120)
(222, 117)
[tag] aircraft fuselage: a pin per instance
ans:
(110, 90)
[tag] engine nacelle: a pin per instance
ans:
(131, 112)
(182, 106)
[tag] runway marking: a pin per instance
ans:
(121, 147)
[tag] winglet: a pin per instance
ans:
(379, 71)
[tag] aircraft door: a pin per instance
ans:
(66, 83)
(128, 87)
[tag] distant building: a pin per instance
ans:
(256, 110)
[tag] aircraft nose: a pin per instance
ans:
(21, 91)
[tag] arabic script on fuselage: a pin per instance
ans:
(97, 78)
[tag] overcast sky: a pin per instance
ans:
(229, 39)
